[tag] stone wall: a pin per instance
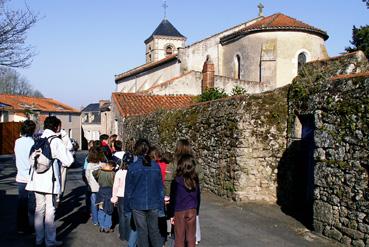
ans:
(238, 141)
(329, 102)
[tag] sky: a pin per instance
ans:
(82, 44)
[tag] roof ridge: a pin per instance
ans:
(21, 95)
(273, 18)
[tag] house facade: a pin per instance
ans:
(18, 108)
(91, 121)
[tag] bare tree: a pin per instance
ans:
(14, 25)
(12, 82)
(367, 3)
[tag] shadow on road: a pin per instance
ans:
(9, 236)
(71, 212)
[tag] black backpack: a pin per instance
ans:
(40, 154)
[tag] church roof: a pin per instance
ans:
(276, 22)
(145, 67)
(165, 28)
(134, 104)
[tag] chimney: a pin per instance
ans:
(207, 74)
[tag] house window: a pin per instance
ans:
(168, 50)
(70, 117)
(4, 116)
(301, 60)
(237, 67)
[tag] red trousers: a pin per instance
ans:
(185, 228)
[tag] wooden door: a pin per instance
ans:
(9, 132)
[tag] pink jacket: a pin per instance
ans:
(118, 186)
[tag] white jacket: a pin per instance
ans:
(22, 148)
(94, 185)
(43, 182)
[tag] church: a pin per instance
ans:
(258, 55)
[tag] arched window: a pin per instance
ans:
(149, 58)
(168, 50)
(301, 60)
(237, 67)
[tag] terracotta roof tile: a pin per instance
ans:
(350, 76)
(132, 104)
(277, 22)
(20, 102)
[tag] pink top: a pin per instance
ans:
(118, 186)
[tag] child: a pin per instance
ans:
(118, 197)
(185, 201)
(183, 147)
(118, 155)
(105, 178)
(155, 154)
(94, 157)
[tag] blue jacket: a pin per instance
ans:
(144, 187)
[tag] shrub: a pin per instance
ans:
(211, 94)
(238, 90)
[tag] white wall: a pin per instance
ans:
(188, 84)
(149, 78)
(287, 47)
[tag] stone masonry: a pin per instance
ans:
(335, 93)
(238, 141)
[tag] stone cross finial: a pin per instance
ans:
(261, 6)
(165, 6)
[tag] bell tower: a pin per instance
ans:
(164, 41)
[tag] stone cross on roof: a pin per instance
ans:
(165, 6)
(261, 6)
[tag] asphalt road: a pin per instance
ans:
(223, 223)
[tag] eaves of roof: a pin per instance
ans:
(145, 67)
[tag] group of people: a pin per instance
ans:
(157, 197)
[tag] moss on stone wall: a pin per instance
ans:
(219, 130)
(339, 107)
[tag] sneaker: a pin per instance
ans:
(197, 242)
(56, 243)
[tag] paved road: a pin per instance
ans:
(223, 223)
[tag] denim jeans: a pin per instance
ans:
(94, 208)
(44, 218)
(123, 226)
(147, 227)
(104, 219)
(26, 208)
(133, 235)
